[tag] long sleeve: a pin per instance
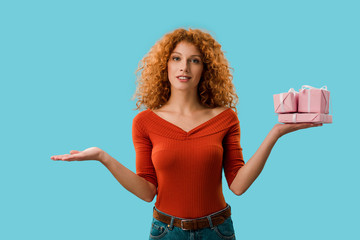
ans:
(233, 157)
(143, 149)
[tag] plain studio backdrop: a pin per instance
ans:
(67, 78)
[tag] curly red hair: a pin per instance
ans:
(215, 87)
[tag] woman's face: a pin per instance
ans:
(185, 66)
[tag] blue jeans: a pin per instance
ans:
(160, 230)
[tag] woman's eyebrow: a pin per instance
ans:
(190, 56)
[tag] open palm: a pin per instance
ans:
(92, 153)
(291, 127)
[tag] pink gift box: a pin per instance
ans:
(313, 100)
(286, 102)
(305, 117)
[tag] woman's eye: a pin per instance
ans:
(192, 60)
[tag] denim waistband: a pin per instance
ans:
(227, 206)
(208, 217)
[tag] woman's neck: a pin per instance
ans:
(184, 102)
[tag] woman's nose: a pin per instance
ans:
(184, 66)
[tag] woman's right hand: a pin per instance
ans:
(93, 153)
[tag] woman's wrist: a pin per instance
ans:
(103, 157)
(276, 132)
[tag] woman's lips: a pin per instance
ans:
(183, 80)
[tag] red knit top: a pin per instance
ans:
(186, 167)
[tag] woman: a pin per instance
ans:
(185, 137)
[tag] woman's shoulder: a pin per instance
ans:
(228, 114)
(228, 110)
(219, 110)
(142, 115)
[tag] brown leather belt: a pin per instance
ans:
(194, 224)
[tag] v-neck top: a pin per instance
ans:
(186, 166)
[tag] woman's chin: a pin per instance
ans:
(182, 88)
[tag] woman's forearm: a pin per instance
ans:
(128, 179)
(251, 170)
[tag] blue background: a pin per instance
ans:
(67, 78)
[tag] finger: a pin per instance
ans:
(308, 125)
(69, 159)
(74, 151)
(74, 157)
(59, 157)
(55, 157)
(314, 125)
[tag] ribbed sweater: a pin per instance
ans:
(186, 167)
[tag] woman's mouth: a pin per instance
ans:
(183, 78)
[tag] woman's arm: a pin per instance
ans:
(128, 179)
(251, 170)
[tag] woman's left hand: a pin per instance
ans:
(282, 129)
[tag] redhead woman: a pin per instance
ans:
(185, 137)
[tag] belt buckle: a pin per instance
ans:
(182, 225)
